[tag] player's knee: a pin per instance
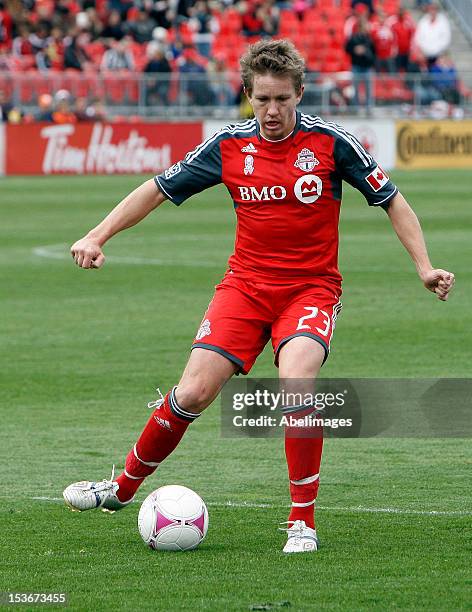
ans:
(194, 395)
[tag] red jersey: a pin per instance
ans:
(286, 194)
(404, 29)
(384, 41)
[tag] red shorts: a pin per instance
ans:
(244, 315)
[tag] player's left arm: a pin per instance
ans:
(408, 229)
(359, 168)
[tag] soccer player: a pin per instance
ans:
(284, 171)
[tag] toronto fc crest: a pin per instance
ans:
(306, 160)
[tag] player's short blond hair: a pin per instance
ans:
(277, 57)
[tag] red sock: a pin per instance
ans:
(160, 436)
(303, 448)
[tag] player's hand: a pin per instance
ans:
(87, 253)
(439, 282)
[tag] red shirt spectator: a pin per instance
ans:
(384, 41)
(253, 25)
(385, 45)
(6, 27)
(63, 113)
(22, 47)
(403, 26)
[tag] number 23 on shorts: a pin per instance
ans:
(313, 312)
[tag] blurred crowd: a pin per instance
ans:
(164, 39)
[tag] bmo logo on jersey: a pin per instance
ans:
(308, 188)
(264, 194)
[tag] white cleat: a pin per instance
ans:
(86, 495)
(300, 538)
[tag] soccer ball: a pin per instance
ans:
(173, 518)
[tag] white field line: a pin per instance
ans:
(354, 509)
(61, 251)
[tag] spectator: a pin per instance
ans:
(369, 4)
(75, 55)
(16, 115)
(141, 28)
(113, 28)
(90, 22)
(163, 14)
(5, 107)
(418, 80)
(63, 112)
(97, 111)
(22, 47)
(384, 45)
(270, 15)
(260, 19)
(403, 26)
(81, 110)
(6, 62)
(157, 89)
(89, 111)
(252, 23)
(299, 7)
(52, 56)
(122, 6)
(196, 84)
(361, 49)
(352, 22)
(45, 108)
(39, 37)
(118, 56)
(6, 27)
(183, 7)
(220, 83)
(203, 24)
(433, 34)
(445, 80)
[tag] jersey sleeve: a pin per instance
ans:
(359, 169)
(200, 169)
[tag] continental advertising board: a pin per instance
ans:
(434, 144)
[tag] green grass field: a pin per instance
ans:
(82, 352)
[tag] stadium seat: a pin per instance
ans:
(95, 51)
(289, 24)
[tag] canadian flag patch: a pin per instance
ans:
(377, 179)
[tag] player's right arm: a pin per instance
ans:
(200, 169)
(87, 252)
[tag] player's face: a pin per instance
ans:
(274, 101)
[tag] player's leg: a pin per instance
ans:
(203, 378)
(301, 338)
(300, 360)
(232, 334)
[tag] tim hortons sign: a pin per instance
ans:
(98, 148)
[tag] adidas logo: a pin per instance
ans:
(249, 149)
(163, 423)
